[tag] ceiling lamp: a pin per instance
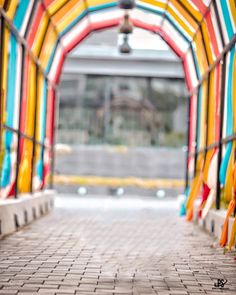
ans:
(126, 26)
(125, 48)
(126, 4)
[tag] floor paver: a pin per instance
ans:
(114, 246)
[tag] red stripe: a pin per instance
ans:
(200, 5)
(217, 110)
(187, 74)
(48, 2)
(191, 125)
(24, 100)
(105, 24)
(159, 31)
(49, 128)
(78, 39)
(212, 34)
(59, 67)
(35, 25)
(50, 115)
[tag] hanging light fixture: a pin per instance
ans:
(125, 48)
(126, 4)
(126, 26)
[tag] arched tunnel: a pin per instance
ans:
(35, 38)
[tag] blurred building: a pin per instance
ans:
(106, 97)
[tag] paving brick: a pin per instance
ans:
(113, 252)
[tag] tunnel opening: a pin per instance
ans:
(116, 122)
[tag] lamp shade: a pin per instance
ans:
(126, 4)
(125, 47)
(126, 26)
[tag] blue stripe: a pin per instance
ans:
(227, 19)
(195, 62)
(199, 110)
(73, 23)
(52, 57)
(11, 80)
(43, 119)
(229, 120)
(102, 7)
(11, 84)
(20, 13)
(152, 10)
(44, 110)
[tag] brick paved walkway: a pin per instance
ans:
(103, 247)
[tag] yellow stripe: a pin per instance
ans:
(196, 183)
(116, 182)
(211, 124)
(203, 115)
(155, 3)
(228, 191)
(52, 8)
(211, 111)
(48, 45)
(68, 16)
(190, 8)
(234, 91)
(31, 99)
(39, 115)
(40, 34)
(12, 9)
(39, 106)
(5, 69)
(92, 3)
(25, 165)
(233, 10)
(188, 18)
(68, 7)
(229, 173)
(180, 21)
(202, 62)
(207, 42)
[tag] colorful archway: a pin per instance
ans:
(36, 36)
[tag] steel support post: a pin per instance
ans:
(1, 86)
(196, 135)
(222, 103)
(187, 146)
(43, 147)
(34, 130)
(19, 122)
(55, 108)
(107, 109)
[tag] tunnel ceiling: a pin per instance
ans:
(196, 30)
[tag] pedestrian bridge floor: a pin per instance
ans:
(111, 245)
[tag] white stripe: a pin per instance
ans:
(57, 57)
(225, 100)
(74, 32)
(191, 66)
(182, 18)
(105, 15)
(216, 29)
(146, 17)
(178, 39)
(225, 34)
(17, 86)
(26, 18)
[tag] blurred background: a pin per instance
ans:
(121, 115)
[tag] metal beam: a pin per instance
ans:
(123, 67)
